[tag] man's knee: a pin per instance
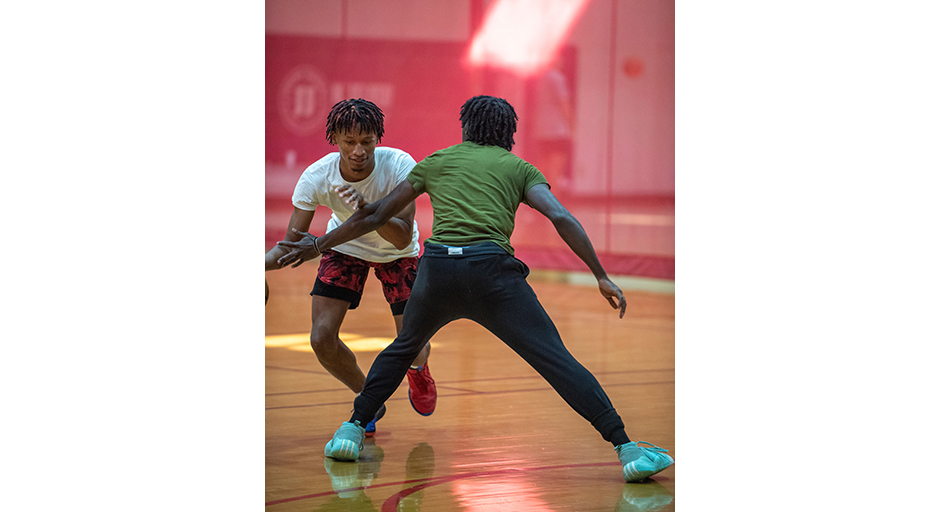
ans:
(324, 341)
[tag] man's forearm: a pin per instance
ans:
(271, 257)
(577, 239)
(370, 217)
(363, 221)
(397, 232)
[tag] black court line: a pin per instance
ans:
(502, 392)
(266, 367)
(611, 372)
(285, 393)
(447, 383)
(451, 388)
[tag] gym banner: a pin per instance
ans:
(419, 85)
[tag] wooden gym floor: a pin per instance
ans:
(500, 439)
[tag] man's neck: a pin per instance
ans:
(353, 176)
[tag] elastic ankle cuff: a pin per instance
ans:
(364, 409)
(610, 426)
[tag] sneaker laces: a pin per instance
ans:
(421, 379)
(350, 427)
(652, 447)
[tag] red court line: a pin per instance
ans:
(395, 498)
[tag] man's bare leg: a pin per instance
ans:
(327, 316)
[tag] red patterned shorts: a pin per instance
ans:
(344, 277)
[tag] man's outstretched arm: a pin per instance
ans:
(399, 230)
(541, 198)
(299, 222)
(366, 219)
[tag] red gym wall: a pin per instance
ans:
(614, 66)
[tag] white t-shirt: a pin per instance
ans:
(316, 187)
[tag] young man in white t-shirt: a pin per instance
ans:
(358, 174)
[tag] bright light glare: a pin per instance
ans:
(524, 35)
(301, 342)
(512, 492)
(355, 342)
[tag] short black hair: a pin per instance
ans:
(489, 121)
(359, 113)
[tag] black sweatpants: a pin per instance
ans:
(485, 284)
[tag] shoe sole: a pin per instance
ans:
(415, 408)
(343, 449)
(631, 474)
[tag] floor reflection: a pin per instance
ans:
(506, 492)
(419, 466)
(350, 479)
(515, 489)
(643, 497)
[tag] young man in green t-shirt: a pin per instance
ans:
(468, 271)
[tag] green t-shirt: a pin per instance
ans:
(475, 191)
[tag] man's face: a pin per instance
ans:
(357, 150)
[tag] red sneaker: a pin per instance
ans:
(422, 393)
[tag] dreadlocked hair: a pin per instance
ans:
(355, 113)
(488, 121)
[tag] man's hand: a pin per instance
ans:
(610, 291)
(353, 197)
(301, 250)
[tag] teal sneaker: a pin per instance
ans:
(346, 442)
(640, 462)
